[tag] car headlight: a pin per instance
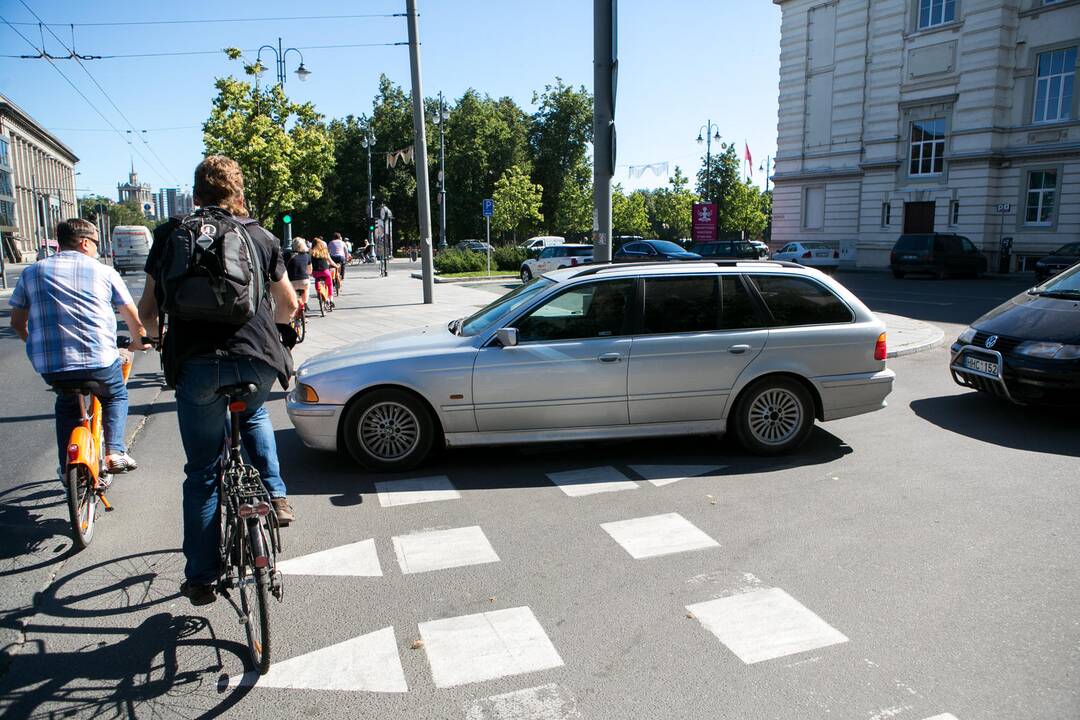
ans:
(1049, 350)
(967, 336)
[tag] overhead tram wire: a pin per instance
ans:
(203, 52)
(108, 97)
(220, 20)
(82, 95)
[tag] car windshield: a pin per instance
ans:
(483, 320)
(907, 243)
(666, 247)
(1067, 284)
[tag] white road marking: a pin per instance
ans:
(943, 716)
(368, 663)
(765, 624)
(591, 481)
(356, 559)
(416, 490)
(546, 702)
(658, 535)
(484, 646)
(660, 475)
(441, 549)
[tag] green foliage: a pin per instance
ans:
(459, 261)
(283, 147)
(129, 213)
(574, 212)
(343, 205)
(560, 133)
(740, 205)
(629, 214)
(517, 202)
(672, 207)
(508, 257)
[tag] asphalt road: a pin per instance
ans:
(909, 563)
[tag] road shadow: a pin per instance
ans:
(167, 666)
(34, 531)
(978, 416)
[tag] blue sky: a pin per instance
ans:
(681, 63)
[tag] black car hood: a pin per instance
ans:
(1031, 317)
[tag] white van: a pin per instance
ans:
(130, 247)
(535, 244)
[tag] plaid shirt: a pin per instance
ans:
(72, 324)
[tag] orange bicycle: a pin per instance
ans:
(325, 293)
(299, 320)
(85, 475)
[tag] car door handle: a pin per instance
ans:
(738, 349)
(610, 357)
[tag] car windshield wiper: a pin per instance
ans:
(1063, 293)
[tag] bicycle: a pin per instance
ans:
(299, 320)
(86, 476)
(325, 295)
(250, 535)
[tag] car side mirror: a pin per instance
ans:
(508, 337)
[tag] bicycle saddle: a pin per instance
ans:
(238, 391)
(77, 386)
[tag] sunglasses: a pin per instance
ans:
(91, 239)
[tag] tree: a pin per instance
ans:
(128, 213)
(560, 133)
(283, 147)
(740, 207)
(629, 214)
(574, 210)
(672, 208)
(343, 205)
(517, 202)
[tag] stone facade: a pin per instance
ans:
(916, 115)
(139, 193)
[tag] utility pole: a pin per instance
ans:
(423, 200)
(605, 70)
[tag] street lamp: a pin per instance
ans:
(707, 128)
(279, 62)
(368, 142)
(765, 167)
(440, 121)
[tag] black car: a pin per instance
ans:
(652, 251)
(1028, 349)
(729, 250)
(940, 254)
(1064, 257)
(472, 246)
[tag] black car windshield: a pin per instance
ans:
(666, 247)
(1066, 284)
(483, 320)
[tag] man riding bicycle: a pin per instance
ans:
(339, 253)
(200, 357)
(62, 307)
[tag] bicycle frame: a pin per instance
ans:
(85, 444)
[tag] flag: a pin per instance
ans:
(749, 160)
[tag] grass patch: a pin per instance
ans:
(479, 273)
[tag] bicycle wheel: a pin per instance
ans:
(255, 602)
(322, 301)
(82, 504)
(299, 324)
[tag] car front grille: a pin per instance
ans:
(1004, 345)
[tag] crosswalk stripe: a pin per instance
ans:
(658, 535)
(546, 702)
(416, 490)
(358, 559)
(591, 481)
(764, 624)
(943, 716)
(660, 475)
(441, 549)
(368, 663)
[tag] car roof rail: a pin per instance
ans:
(593, 269)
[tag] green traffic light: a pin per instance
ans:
(287, 219)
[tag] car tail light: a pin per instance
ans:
(880, 349)
(836, 254)
(573, 262)
(807, 254)
(259, 509)
(237, 406)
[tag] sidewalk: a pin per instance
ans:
(371, 305)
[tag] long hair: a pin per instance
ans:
(219, 181)
(319, 249)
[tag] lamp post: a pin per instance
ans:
(440, 121)
(712, 132)
(368, 142)
(279, 62)
(766, 167)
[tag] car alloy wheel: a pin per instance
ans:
(775, 416)
(526, 275)
(389, 431)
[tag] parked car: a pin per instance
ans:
(606, 351)
(473, 246)
(1064, 257)
(729, 250)
(131, 246)
(534, 245)
(812, 254)
(939, 254)
(652, 251)
(1026, 350)
(555, 257)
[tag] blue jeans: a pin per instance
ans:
(114, 408)
(203, 425)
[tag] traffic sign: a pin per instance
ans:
(1004, 208)
(489, 207)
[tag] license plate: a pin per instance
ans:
(982, 366)
(822, 253)
(909, 257)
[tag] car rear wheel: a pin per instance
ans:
(389, 430)
(773, 416)
(526, 274)
(898, 274)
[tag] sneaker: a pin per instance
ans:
(121, 463)
(283, 510)
(198, 594)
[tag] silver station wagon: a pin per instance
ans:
(607, 351)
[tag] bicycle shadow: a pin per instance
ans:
(34, 532)
(167, 665)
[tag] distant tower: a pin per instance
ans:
(136, 192)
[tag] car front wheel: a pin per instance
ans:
(773, 416)
(526, 274)
(389, 430)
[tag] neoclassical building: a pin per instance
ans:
(135, 192)
(929, 115)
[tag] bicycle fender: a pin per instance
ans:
(86, 454)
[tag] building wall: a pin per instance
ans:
(855, 74)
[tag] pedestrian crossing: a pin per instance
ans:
(751, 621)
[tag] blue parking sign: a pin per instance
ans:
(489, 207)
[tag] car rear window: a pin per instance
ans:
(815, 246)
(800, 301)
(579, 252)
(908, 243)
(682, 304)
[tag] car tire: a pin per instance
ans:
(526, 274)
(773, 416)
(899, 275)
(389, 431)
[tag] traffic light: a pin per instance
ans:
(371, 224)
(286, 219)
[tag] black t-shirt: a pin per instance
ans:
(319, 264)
(299, 266)
(257, 338)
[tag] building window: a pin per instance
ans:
(7, 213)
(4, 160)
(814, 208)
(1055, 75)
(936, 12)
(927, 147)
(954, 212)
(1041, 189)
(886, 214)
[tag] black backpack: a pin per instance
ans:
(210, 270)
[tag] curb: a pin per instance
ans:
(500, 279)
(919, 346)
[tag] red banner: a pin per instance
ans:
(704, 228)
